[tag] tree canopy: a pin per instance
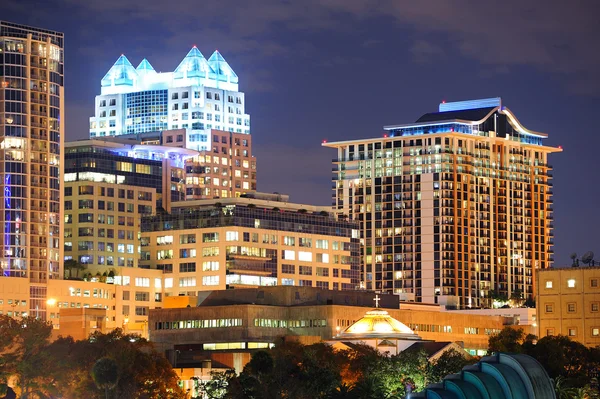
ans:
(54, 369)
(568, 362)
(293, 370)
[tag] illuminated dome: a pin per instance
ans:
(378, 324)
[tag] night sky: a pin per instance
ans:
(342, 69)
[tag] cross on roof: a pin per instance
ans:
(377, 299)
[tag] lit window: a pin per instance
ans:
(571, 283)
(548, 284)
(572, 332)
(595, 332)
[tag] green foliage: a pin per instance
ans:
(105, 374)
(509, 340)
(64, 367)
(217, 387)
(292, 370)
(450, 362)
(72, 264)
(567, 362)
(22, 354)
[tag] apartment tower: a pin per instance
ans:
(31, 136)
(455, 208)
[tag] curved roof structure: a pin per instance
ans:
(502, 376)
(379, 324)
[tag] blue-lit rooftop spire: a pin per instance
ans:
(145, 68)
(194, 65)
(121, 73)
(222, 70)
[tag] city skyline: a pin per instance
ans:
(297, 65)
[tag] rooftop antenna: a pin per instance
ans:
(587, 258)
(574, 259)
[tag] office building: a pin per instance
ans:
(568, 303)
(244, 242)
(455, 208)
(227, 326)
(102, 302)
(31, 136)
(108, 187)
(226, 169)
(198, 96)
(197, 106)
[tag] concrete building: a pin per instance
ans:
(108, 187)
(453, 207)
(121, 301)
(225, 327)
(31, 137)
(568, 303)
(246, 242)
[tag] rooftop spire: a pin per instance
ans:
(222, 70)
(193, 65)
(121, 73)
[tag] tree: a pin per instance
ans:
(561, 356)
(516, 298)
(105, 374)
(508, 340)
(143, 372)
(73, 264)
(217, 387)
(22, 354)
(450, 362)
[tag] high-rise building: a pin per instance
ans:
(198, 96)
(198, 106)
(455, 208)
(31, 135)
(108, 187)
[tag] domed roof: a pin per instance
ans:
(378, 323)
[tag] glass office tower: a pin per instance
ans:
(31, 134)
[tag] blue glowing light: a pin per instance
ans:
(7, 206)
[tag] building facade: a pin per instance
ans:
(31, 137)
(122, 300)
(200, 95)
(226, 169)
(239, 321)
(568, 303)
(241, 242)
(454, 208)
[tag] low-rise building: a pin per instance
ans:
(124, 300)
(249, 242)
(568, 303)
(231, 324)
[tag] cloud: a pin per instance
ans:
(557, 37)
(424, 51)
